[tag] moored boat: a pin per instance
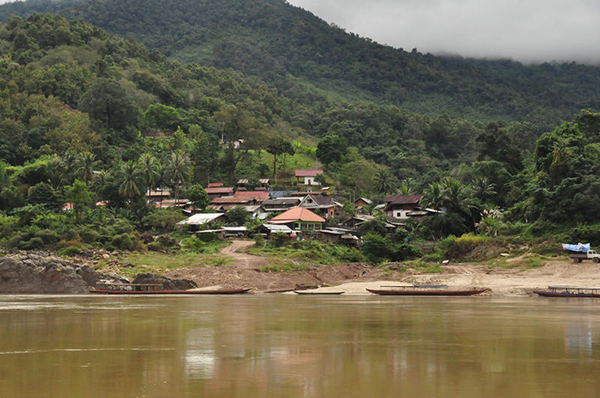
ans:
(317, 293)
(131, 288)
(569, 292)
(424, 290)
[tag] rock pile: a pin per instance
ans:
(34, 274)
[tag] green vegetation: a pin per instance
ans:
(294, 256)
(93, 122)
(311, 60)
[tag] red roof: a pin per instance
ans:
(219, 190)
(260, 196)
(308, 173)
(298, 214)
(215, 184)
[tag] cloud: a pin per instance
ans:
(529, 31)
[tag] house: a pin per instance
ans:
(181, 203)
(325, 204)
(280, 204)
(398, 206)
(265, 184)
(355, 222)
(299, 218)
(215, 185)
(225, 203)
(362, 202)
(270, 229)
(157, 195)
(258, 196)
(307, 177)
(198, 220)
(338, 235)
(215, 192)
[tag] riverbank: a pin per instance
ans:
(514, 277)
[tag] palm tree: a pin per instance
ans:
(457, 196)
(433, 196)
(149, 168)
(84, 166)
(384, 181)
(130, 180)
(178, 171)
(407, 187)
(483, 189)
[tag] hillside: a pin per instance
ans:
(305, 58)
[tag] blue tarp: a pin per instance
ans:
(580, 247)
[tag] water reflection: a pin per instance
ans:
(297, 346)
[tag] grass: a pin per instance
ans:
(130, 265)
(307, 252)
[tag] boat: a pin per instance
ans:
(569, 291)
(317, 293)
(147, 288)
(424, 290)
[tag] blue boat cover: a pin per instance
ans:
(580, 247)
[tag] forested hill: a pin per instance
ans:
(304, 57)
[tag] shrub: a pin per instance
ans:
(123, 242)
(34, 243)
(279, 239)
(48, 236)
(376, 247)
(70, 250)
(193, 245)
(259, 240)
(403, 251)
(90, 236)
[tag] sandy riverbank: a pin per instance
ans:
(356, 278)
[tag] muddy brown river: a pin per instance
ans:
(293, 346)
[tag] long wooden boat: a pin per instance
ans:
(424, 290)
(317, 293)
(130, 288)
(569, 292)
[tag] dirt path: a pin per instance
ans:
(243, 260)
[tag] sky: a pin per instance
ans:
(529, 31)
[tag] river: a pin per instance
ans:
(298, 346)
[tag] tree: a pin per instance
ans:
(161, 116)
(149, 168)
(178, 170)
(279, 146)
(237, 215)
(331, 148)
(496, 145)
(85, 164)
(198, 196)
(44, 194)
(108, 102)
(130, 180)
(78, 195)
(384, 182)
(240, 132)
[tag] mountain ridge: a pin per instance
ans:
(301, 55)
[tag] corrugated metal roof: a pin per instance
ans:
(308, 173)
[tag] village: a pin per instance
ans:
(309, 211)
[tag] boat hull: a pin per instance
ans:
(545, 293)
(309, 293)
(155, 292)
(408, 292)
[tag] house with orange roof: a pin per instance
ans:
(299, 218)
